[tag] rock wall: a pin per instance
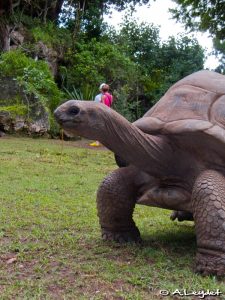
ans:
(20, 112)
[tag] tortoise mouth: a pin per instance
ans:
(69, 123)
(64, 120)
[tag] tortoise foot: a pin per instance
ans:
(131, 236)
(210, 265)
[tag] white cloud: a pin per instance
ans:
(158, 14)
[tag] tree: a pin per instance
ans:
(178, 58)
(98, 61)
(45, 10)
(42, 9)
(159, 64)
(202, 15)
(206, 16)
(86, 13)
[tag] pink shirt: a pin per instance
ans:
(108, 99)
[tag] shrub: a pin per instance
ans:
(52, 36)
(33, 76)
(87, 92)
(14, 110)
(96, 62)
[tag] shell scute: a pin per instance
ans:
(194, 104)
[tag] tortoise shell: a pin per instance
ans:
(194, 104)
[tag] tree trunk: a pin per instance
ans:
(4, 37)
(6, 9)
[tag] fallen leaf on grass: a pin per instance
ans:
(11, 260)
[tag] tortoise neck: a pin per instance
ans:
(147, 152)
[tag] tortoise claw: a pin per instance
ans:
(210, 265)
(131, 236)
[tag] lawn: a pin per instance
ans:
(50, 239)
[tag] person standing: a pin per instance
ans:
(105, 98)
(98, 98)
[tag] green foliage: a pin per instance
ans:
(202, 15)
(11, 101)
(178, 57)
(37, 82)
(12, 63)
(52, 36)
(15, 110)
(135, 63)
(85, 18)
(34, 76)
(206, 16)
(157, 65)
(95, 62)
(220, 52)
(139, 41)
(130, 109)
(87, 93)
(138, 67)
(54, 127)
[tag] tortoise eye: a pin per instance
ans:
(74, 110)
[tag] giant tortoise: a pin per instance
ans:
(175, 157)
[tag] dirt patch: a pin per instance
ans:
(95, 287)
(82, 143)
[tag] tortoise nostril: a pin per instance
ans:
(74, 110)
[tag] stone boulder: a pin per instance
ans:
(20, 112)
(5, 121)
(49, 55)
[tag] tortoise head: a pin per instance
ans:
(82, 118)
(97, 121)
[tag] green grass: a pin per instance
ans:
(49, 224)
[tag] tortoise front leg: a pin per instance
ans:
(208, 200)
(116, 199)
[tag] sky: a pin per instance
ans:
(158, 14)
